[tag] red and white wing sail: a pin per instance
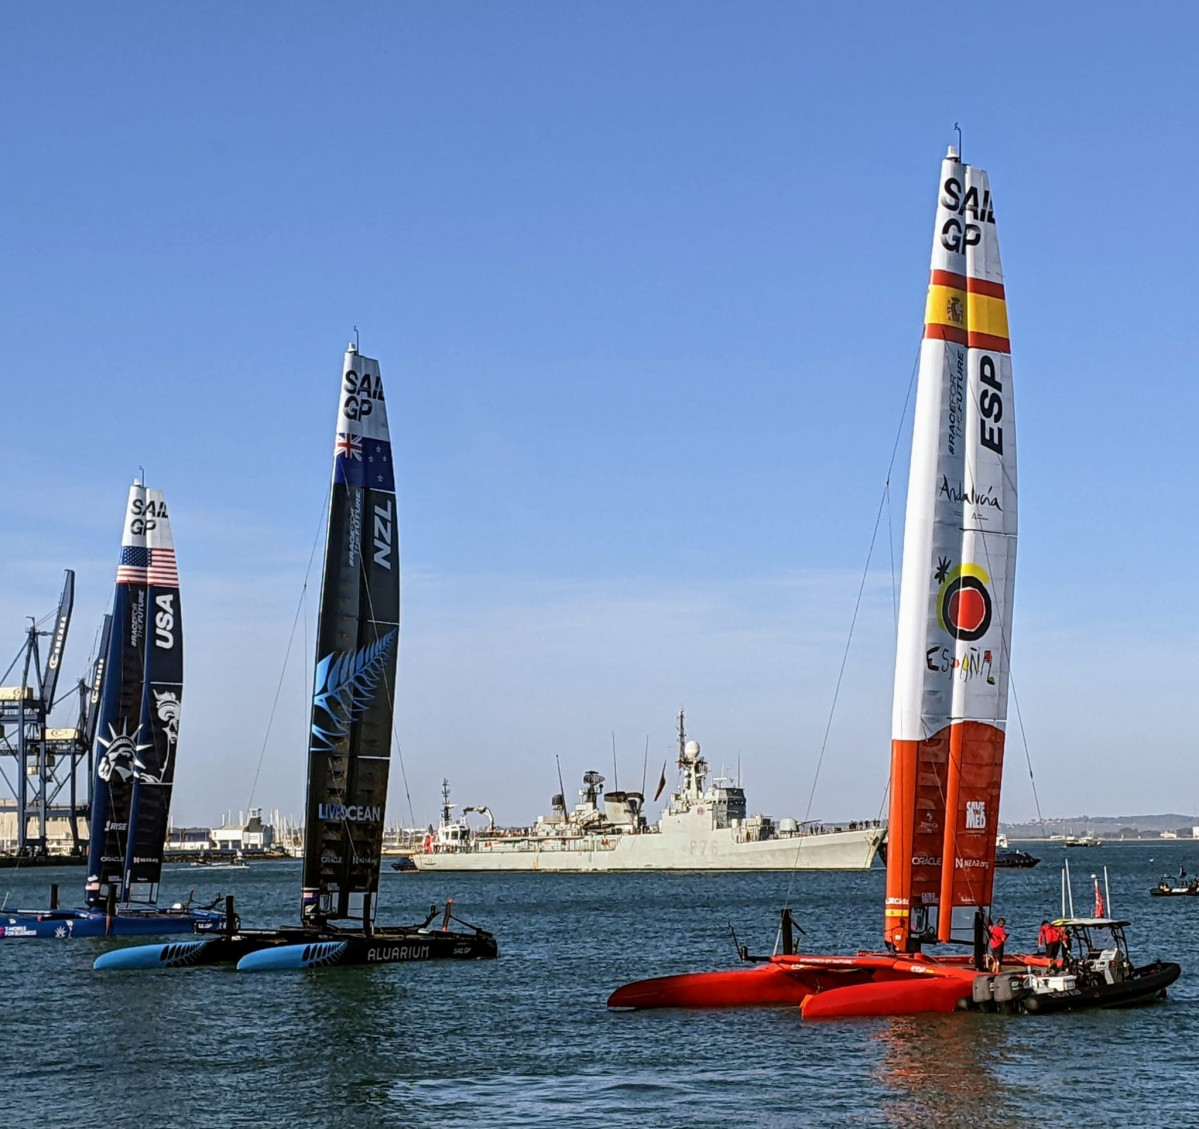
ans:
(951, 676)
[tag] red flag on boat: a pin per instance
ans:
(1100, 908)
(662, 782)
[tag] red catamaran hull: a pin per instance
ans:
(822, 986)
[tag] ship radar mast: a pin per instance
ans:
(693, 766)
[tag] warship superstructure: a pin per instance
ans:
(704, 826)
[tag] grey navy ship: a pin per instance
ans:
(704, 826)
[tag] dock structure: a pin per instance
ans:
(40, 765)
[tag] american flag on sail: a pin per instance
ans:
(140, 565)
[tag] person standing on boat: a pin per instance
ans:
(1050, 939)
(998, 940)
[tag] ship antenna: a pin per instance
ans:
(356, 337)
(561, 786)
(959, 132)
(141, 476)
(615, 774)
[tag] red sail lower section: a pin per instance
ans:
(936, 864)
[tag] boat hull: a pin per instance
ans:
(1146, 985)
(715, 850)
(879, 984)
(300, 949)
(889, 997)
(763, 985)
(67, 924)
(366, 950)
(1014, 860)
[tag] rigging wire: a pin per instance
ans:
(300, 604)
(1027, 756)
(883, 500)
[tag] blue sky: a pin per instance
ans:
(646, 284)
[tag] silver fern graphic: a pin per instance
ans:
(322, 953)
(345, 686)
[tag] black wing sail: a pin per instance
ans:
(95, 684)
(357, 641)
(162, 694)
(118, 727)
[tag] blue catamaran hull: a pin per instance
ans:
(65, 924)
(262, 950)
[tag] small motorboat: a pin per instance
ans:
(1176, 888)
(404, 865)
(1095, 970)
(1012, 859)
(221, 862)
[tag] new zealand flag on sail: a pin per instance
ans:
(362, 461)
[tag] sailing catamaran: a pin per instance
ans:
(140, 681)
(951, 686)
(349, 745)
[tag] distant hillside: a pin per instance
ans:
(1105, 826)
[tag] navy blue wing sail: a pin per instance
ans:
(357, 644)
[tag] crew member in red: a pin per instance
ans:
(1050, 939)
(998, 940)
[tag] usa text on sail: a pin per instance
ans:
(137, 721)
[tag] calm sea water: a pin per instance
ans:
(527, 1039)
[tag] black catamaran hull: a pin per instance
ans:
(297, 948)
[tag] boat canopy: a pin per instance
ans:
(1091, 922)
